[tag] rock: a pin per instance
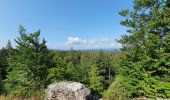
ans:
(67, 91)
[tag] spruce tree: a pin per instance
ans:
(28, 64)
(3, 63)
(146, 65)
(95, 80)
(102, 61)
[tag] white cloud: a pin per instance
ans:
(78, 41)
(74, 41)
(101, 43)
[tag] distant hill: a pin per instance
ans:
(92, 50)
(105, 50)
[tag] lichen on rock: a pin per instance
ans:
(67, 91)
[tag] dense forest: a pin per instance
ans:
(27, 69)
(140, 69)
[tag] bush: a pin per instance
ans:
(117, 90)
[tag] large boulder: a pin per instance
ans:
(67, 91)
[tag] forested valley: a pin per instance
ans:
(140, 69)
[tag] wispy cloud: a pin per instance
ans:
(79, 41)
(95, 43)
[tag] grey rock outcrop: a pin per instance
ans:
(67, 91)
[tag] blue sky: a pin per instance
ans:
(81, 24)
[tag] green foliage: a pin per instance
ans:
(146, 64)
(56, 75)
(28, 68)
(72, 72)
(103, 61)
(117, 90)
(4, 54)
(28, 65)
(95, 80)
(94, 69)
(85, 65)
(142, 70)
(2, 89)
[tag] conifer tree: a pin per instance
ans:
(29, 64)
(146, 65)
(1, 87)
(104, 66)
(72, 72)
(95, 80)
(9, 45)
(3, 63)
